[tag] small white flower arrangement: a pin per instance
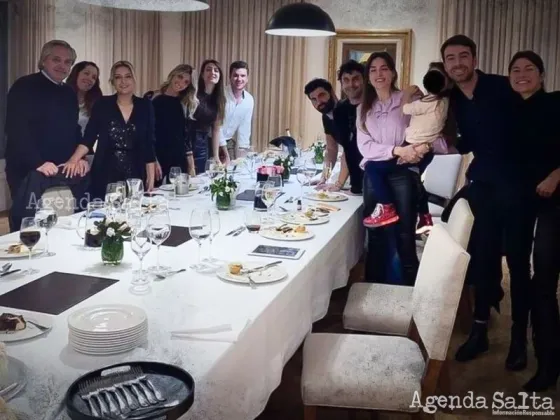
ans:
(108, 228)
(318, 150)
(224, 188)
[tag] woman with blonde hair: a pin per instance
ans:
(123, 125)
(174, 104)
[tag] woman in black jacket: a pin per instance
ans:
(540, 133)
(123, 125)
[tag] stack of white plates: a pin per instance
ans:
(107, 329)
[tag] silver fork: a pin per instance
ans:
(90, 386)
(87, 397)
(251, 282)
(109, 387)
(39, 326)
(142, 377)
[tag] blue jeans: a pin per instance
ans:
(200, 150)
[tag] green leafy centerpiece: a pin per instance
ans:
(287, 163)
(112, 234)
(224, 188)
(318, 152)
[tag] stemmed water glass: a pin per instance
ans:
(135, 188)
(309, 170)
(215, 221)
(159, 229)
(29, 235)
(174, 173)
(327, 171)
(114, 196)
(270, 194)
(301, 178)
(46, 217)
(211, 172)
(141, 244)
(200, 228)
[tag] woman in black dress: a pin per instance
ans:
(123, 125)
(204, 127)
(540, 135)
(174, 104)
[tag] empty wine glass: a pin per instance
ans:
(270, 193)
(135, 188)
(140, 243)
(200, 228)
(29, 235)
(310, 169)
(301, 178)
(327, 171)
(114, 196)
(174, 172)
(159, 229)
(215, 220)
(46, 217)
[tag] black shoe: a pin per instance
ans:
(545, 378)
(476, 344)
(517, 355)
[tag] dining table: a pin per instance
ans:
(234, 373)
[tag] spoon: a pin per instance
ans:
(171, 273)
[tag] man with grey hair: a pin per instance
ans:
(42, 127)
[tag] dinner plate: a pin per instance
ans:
(24, 252)
(326, 196)
(107, 318)
(169, 187)
(288, 236)
(30, 331)
(270, 275)
(14, 380)
(300, 218)
(97, 337)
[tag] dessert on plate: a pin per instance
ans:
(235, 268)
(10, 323)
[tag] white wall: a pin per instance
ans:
(422, 16)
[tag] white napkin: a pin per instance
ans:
(211, 331)
(67, 222)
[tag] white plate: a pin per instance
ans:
(107, 318)
(23, 254)
(301, 219)
(271, 275)
(289, 236)
(107, 351)
(15, 375)
(169, 187)
(82, 338)
(109, 335)
(326, 196)
(30, 331)
(107, 345)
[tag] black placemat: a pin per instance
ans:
(54, 293)
(179, 235)
(293, 171)
(247, 195)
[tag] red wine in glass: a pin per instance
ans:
(30, 238)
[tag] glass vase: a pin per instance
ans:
(319, 157)
(112, 251)
(223, 202)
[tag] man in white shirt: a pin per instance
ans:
(236, 129)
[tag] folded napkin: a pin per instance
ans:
(67, 222)
(224, 333)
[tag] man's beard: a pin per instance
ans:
(354, 95)
(328, 107)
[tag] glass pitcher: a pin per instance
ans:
(95, 212)
(182, 185)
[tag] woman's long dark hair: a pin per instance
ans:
(91, 95)
(218, 96)
(370, 95)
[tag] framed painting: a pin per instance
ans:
(358, 45)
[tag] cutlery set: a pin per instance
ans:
(5, 270)
(123, 396)
(236, 232)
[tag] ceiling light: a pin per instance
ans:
(301, 19)
(153, 5)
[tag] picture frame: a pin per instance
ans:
(359, 44)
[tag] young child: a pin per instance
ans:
(428, 117)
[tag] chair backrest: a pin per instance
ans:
(61, 200)
(441, 175)
(437, 291)
(460, 222)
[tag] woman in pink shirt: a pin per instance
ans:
(381, 127)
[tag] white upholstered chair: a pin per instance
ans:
(440, 179)
(63, 202)
(386, 308)
(359, 371)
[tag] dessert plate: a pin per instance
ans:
(270, 275)
(326, 196)
(300, 218)
(107, 318)
(285, 236)
(23, 253)
(30, 330)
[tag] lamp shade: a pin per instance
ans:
(301, 19)
(153, 5)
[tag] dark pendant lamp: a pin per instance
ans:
(153, 5)
(301, 19)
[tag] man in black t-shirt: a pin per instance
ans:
(339, 121)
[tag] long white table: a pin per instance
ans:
(233, 380)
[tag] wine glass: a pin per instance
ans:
(159, 229)
(29, 235)
(174, 172)
(114, 196)
(215, 221)
(327, 172)
(46, 217)
(210, 170)
(140, 243)
(258, 204)
(135, 188)
(301, 178)
(200, 228)
(253, 220)
(270, 193)
(310, 170)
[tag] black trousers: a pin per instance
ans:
(546, 267)
(403, 184)
(504, 223)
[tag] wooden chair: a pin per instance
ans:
(383, 373)
(387, 309)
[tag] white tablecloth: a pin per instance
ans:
(233, 380)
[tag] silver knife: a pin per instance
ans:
(261, 268)
(234, 230)
(9, 272)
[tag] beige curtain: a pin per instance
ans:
(115, 34)
(234, 30)
(32, 26)
(500, 28)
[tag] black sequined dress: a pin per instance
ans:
(123, 147)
